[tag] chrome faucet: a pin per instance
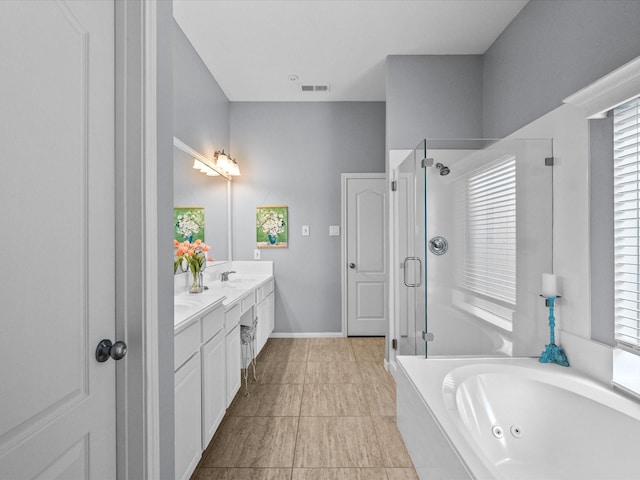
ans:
(224, 276)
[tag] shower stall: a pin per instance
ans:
(472, 234)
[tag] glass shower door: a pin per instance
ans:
(488, 240)
(409, 241)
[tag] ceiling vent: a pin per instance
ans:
(315, 88)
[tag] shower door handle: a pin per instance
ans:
(413, 259)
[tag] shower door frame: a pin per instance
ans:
(415, 325)
(527, 332)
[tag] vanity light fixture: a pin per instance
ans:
(200, 162)
(234, 171)
(226, 163)
(222, 161)
(222, 165)
(198, 165)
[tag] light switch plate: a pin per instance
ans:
(334, 230)
(305, 230)
(256, 254)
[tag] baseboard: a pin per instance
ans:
(391, 367)
(306, 334)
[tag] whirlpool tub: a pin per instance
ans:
(514, 418)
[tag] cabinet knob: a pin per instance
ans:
(352, 265)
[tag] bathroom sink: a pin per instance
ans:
(181, 306)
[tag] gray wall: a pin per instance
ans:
(549, 51)
(433, 96)
(293, 154)
(201, 120)
(200, 107)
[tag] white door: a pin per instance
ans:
(57, 403)
(366, 255)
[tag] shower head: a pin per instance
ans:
(443, 170)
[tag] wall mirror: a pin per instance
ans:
(192, 188)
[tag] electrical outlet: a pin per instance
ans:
(334, 230)
(256, 254)
(305, 230)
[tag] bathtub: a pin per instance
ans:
(513, 418)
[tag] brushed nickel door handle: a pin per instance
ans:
(106, 349)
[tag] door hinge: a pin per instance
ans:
(548, 162)
(428, 336)
(426, 162)
(394, 343)
(394, 185)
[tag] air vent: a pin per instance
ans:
(315, 88)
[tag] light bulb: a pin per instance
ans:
(234, 170)
(223, 162)
(198, 165)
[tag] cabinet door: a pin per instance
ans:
(272, 314)
(234, 363)
(188, 423)
(214, 386)
(262, 332)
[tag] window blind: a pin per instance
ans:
(489, 266)
(626, 178)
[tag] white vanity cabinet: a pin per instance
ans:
(188, 400)
(241, 313)
(271, 299)
(234, 363)
(199, 386)
(265, 314)
(214, 373)
(208, 360)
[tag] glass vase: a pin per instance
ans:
(197, 286)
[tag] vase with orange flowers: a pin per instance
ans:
(195, 256)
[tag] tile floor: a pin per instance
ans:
(321, 409)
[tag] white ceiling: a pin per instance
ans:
(252, 46)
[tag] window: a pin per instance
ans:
(489, 223)
(626, 162)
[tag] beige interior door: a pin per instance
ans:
(366, 255)
(57, 202)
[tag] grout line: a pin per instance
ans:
(295, 444)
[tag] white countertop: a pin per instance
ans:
(189, 306)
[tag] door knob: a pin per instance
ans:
(352, 265)
(107, 349)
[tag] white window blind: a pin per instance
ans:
(489, 266)
(626, 162)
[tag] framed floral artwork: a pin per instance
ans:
(188, 224)
(271, 226)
